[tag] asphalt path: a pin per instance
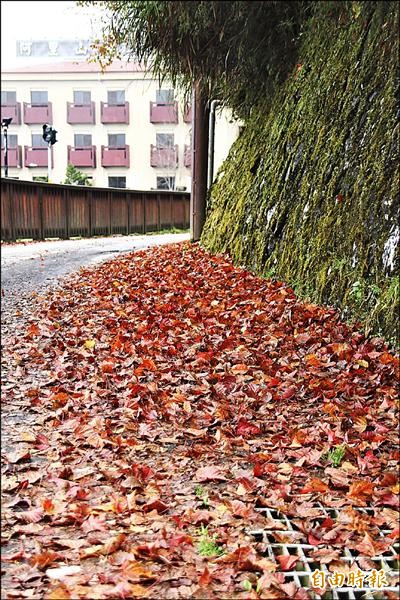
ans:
(30, 269)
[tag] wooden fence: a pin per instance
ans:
(36, 210)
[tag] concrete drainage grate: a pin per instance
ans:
(286, 538)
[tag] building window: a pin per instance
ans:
(116, 140)
(164, 140)
(115, 98)
(165, 183)
(8, 97)
(12, 141)
(38, 141)
(164, 96)
(82, 140)
(82, 98)
(39, 98)
(117, 182)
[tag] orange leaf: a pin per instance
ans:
(148, 364)
(43, 559)
(48, 505)
(360, 424)
(386, 358)
(313, 360)
(60, 399)
(135, 572)
(107, 366)
(329, 408)
(341, 350)
(240, 369)
(265, 564)
(205, 578)
(33, 329)
(315, 485)
(361, 489)
(58, 593)
(366, 546)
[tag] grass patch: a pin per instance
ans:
(207, 545)
(335, 455)
(202, 495)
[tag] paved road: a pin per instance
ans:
(34, 267)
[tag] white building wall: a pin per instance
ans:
(140, 90)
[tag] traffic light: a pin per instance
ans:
(49, 134)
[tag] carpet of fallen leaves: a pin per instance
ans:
(172, 393)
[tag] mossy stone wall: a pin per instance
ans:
(309, 192)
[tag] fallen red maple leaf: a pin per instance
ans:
(30, 516)
(210, 473)
(180, 540)
(110, 545)
(19, 456)
(15, 556)
(156, 505)
(185, 358)
(287, 561)
(244, 428)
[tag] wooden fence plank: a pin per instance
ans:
(32, 209)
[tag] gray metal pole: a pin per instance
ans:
(211, 143)
(5, 152)
(48, 161)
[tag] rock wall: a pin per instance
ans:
(310, 191)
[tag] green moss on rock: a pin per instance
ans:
(309, 192)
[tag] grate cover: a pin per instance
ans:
(266, 540)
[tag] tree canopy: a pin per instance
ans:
(237, 50)
(75, 177)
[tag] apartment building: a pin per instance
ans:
(120, 127)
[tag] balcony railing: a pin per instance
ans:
(35, 113)
(164, 113)
(187, 115)
(35, 157)
(164, 157)
(13, 111)
(187, 156)
(14, 157)
(82, 157)
(114, 113)
(115, 156)
(80, 113)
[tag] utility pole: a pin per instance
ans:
(5, 123)
(198, 197)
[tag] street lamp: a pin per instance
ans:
(4, 124)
